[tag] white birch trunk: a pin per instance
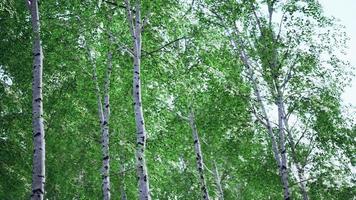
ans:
(218, 182)
(280, 157)
(38, 173)
(281, 129)
(105, 130)
(135, 29)
(104, 115)
(300, 170)
(199, 157)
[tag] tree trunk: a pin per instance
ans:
(300, 170)
(218, 182)
(281, 129)
(38, 173)
(104, 115)
(199, 157)
(280, 157)
(135, 29)
(105, 131)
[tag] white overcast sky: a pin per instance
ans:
(345, 11)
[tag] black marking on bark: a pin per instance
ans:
(38, 99)
(37, 191)
(195, 141)
(145, 178)
(106, 157)
(284, 167)
(137, 86)
(283, 151)
(107, 106)
(140, 143)
(37, 134)
(37, 54)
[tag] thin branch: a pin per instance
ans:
(129, 18)
(145, 22)
(164, 46)
(280, 27)
(296, 183)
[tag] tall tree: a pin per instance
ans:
(38, 173)
(136, 27)
(199, 156)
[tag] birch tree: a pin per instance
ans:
(38, 169)
(266, 47)
(136, 27)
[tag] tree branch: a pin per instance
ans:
(164, 46)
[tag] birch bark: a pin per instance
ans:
(104, 115)
(218, 182)
(136, 29)
(105, 129)
(281, 129)
(300, 171)
(199, 157)
(38, 173)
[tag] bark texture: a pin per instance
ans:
(105, 131)
(104, 116)
(38, 173)
(300, 170)
(218, 182)
(199, 157)
(281, 129)
(136, 29)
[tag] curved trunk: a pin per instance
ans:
(38, 173)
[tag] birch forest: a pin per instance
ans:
(174, 100)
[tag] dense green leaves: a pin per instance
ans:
(188, 60)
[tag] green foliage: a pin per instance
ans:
(187, 61)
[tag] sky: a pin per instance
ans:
(345, 11)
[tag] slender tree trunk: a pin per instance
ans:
(281, 129)
(300, 170)
(280, 157)
(199, 157)
(135, 29)
(104, 115)
(218, 182)
(38, 173)
(105, 126)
